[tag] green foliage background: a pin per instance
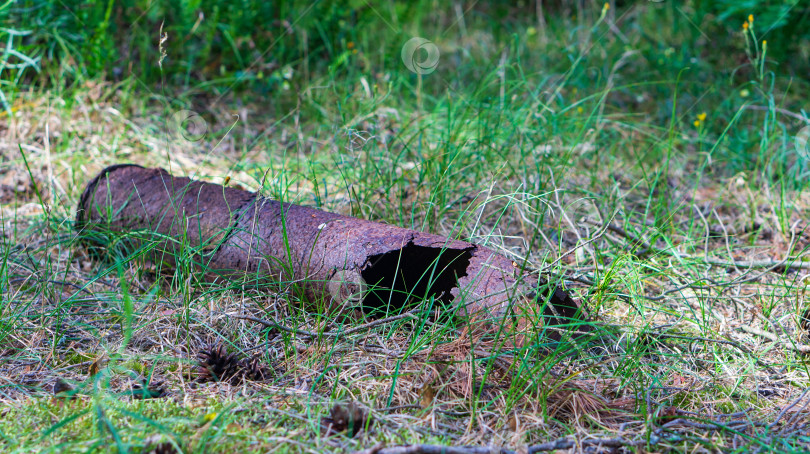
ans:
(672, 57)
(213, 43)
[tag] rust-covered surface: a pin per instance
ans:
(336, 260)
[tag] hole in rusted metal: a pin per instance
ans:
(413, 272)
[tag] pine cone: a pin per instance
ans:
(146, 390)
(254, 369)
(158, 444)
(63, 389)
(216, 364)
(351, 418)
(161, 448)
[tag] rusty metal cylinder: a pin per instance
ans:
(335, 260)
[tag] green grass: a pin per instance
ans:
(529, 139)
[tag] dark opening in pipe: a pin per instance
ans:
(397, 276)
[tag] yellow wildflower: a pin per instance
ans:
(701, 116)
(745, 25)
(696, 123)
(751, 18)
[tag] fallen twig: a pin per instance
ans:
(633, 239)
(773, 264)
(356, 329)
(782, 111)
(734, 344)
(800, 348)
(791, 424)
(562, 443)
(795, 262)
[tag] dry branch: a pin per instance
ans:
(799, 348)
(337, 260)
(562, 443)
(770, 264)
(341, 333)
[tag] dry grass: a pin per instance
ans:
(684, 301)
